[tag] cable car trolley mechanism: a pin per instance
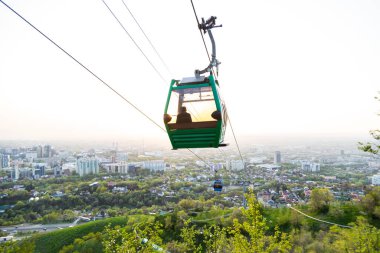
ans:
(195, 115)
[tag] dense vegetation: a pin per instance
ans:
(235, 230)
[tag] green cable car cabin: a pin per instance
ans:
(195, 115)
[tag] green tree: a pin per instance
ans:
(372, 147)
(143, 238)
(90, 243)
(362, 238)
(187, 204)
(188, 235)
(371, 202)
(215, 239)
(25, 246)
(251, 235)
(320, 199)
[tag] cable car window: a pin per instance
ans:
(199, 102)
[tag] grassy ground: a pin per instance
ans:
(54, 241)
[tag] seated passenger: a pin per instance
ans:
(184, 116)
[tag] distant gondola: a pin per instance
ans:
(218, 185)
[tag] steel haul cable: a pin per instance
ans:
(204, 42)
(323, 221)
(151, 64)
(146, 36)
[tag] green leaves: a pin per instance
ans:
(320, 199)
(251, 235)
(362, 238)
(372, 147)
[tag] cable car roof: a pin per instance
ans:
(193, 80)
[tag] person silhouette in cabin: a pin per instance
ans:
(184, 116)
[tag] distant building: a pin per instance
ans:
(31, 156)
(57, 170)
(269, 166)
(39, 152)
(235, 165)
(376, 179)
(47, 151)
(216, 166)
(88, 165)
(310, 167)
(277, 157)
(15, 173)
(38, 170)
(121, 167)
(155, 165)
(20, 173)
(5, 161)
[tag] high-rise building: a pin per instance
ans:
(5, 161)
(47, 151)
(15, 173)
(1, 161)
(39, 152)
(310, 167)
(277, 157)
(88, 165)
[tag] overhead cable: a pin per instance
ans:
(138, 47)
(313, 218)
(146, 36)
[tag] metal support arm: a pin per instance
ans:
(206, 27)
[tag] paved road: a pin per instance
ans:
(41, 227)
(35, 227)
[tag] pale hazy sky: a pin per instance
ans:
(288, 67)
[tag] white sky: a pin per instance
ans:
(288, 67)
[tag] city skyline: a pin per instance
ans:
(288, 69)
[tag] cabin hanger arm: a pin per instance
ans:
(206, 26)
